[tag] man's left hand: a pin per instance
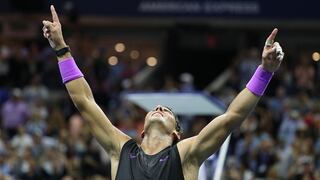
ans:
(272, 54)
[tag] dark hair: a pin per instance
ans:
(178, 129)
(178, 126)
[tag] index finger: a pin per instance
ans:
(55, 17)
(272, 36)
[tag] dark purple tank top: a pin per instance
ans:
(134, 164)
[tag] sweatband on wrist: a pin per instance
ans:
(69, 70)
(259, 81)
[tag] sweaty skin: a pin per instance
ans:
(159, 129)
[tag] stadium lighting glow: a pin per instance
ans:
(152, 61)
(316, 56)
(119, 47)
(113, 60)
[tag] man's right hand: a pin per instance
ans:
(53, 32)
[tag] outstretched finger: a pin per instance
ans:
(271, 37)
(54, 14)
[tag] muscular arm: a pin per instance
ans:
(213, 135)
(210, 138)
(108, 136)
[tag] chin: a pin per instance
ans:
(155, 121)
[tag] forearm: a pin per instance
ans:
(79, 91)
(212, 136)
(241, 107)
(248, 98)
(78, 88)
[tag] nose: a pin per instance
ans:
(159, 108)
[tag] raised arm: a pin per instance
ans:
(211, 137)
(108, 136)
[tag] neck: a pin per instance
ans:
(155, 140)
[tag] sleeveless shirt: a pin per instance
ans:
(134, 164)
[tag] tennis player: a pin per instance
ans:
(158, 157)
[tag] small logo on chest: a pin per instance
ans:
(132, 156)
(164, 159)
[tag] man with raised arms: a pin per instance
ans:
(160, 156)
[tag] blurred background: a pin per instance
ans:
(158, 46)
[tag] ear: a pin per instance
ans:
(176, 136)
(142, 134)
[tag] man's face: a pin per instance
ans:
(163, 115)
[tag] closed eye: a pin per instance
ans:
(164, 109)
(167, 110)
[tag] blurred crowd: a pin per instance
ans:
(44, 137)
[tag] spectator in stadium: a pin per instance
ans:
(14, 112)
